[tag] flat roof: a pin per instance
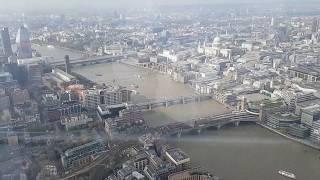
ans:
(177, 156)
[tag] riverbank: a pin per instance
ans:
(301, 141)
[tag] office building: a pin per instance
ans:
(105, 96)
(309, 115)
(23, 43)
(6, 42)
(20, 97)
(315, 132)
(315, 25)
(53, 110)
(308, 73)
(178, 158)
(4, 100)
(190, 175)
(7, 81)
(281, 120)
(70, 122)
(141, 161)
(34, 74)
(81, 155)
(159, 169)
(298, 130)
(67, 64)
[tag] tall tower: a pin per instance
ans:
(315, 25)
(6, 43)
(67, 64)
(23, 43)
(272, 22)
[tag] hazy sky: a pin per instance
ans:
(83, 4)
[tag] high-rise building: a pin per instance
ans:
(23, 43)
(34, 74)
(315, 25)
(67, 64)
(5, 42)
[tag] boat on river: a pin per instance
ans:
(287, 174)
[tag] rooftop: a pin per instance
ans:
(177, 156)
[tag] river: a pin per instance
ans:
(57, 53)
(247, 152)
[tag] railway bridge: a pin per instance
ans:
(199, 124)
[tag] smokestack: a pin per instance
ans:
(67, 64)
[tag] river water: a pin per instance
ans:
(247, 152)
(57, 53)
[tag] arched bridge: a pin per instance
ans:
(169, 102)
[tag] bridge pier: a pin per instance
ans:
(219, 126)
(167, 104)
(237, 123)
(150, 107)
(183, 101)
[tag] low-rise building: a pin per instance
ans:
(190, 175)
(81, 155)
(281, 120)
(75, 121)
(105, 96)
(309, 115)
(315, 132)
(298, 130)
(179, 158)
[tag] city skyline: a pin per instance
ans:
(37, 5)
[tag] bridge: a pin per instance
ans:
(169, 102)
(198, 124)
(88, 61)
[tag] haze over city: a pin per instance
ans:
(168, 90)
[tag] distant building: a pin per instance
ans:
(307, 73)
(23, 43)
(281, 120)
(75, 121)
(216, 49)
(34, 74)
(315, 132)
(298, 130)
(126, 120)
(190, 175)
(179, 158)
(7, 81)
(4, 100)
(141, 161)
(105, 96)
(12, 139)
(6, 42)
(67, 64)
(315, 25)
(49, 171)
(159, 169)
(20, 97)
(309, 115)
(81, 155)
